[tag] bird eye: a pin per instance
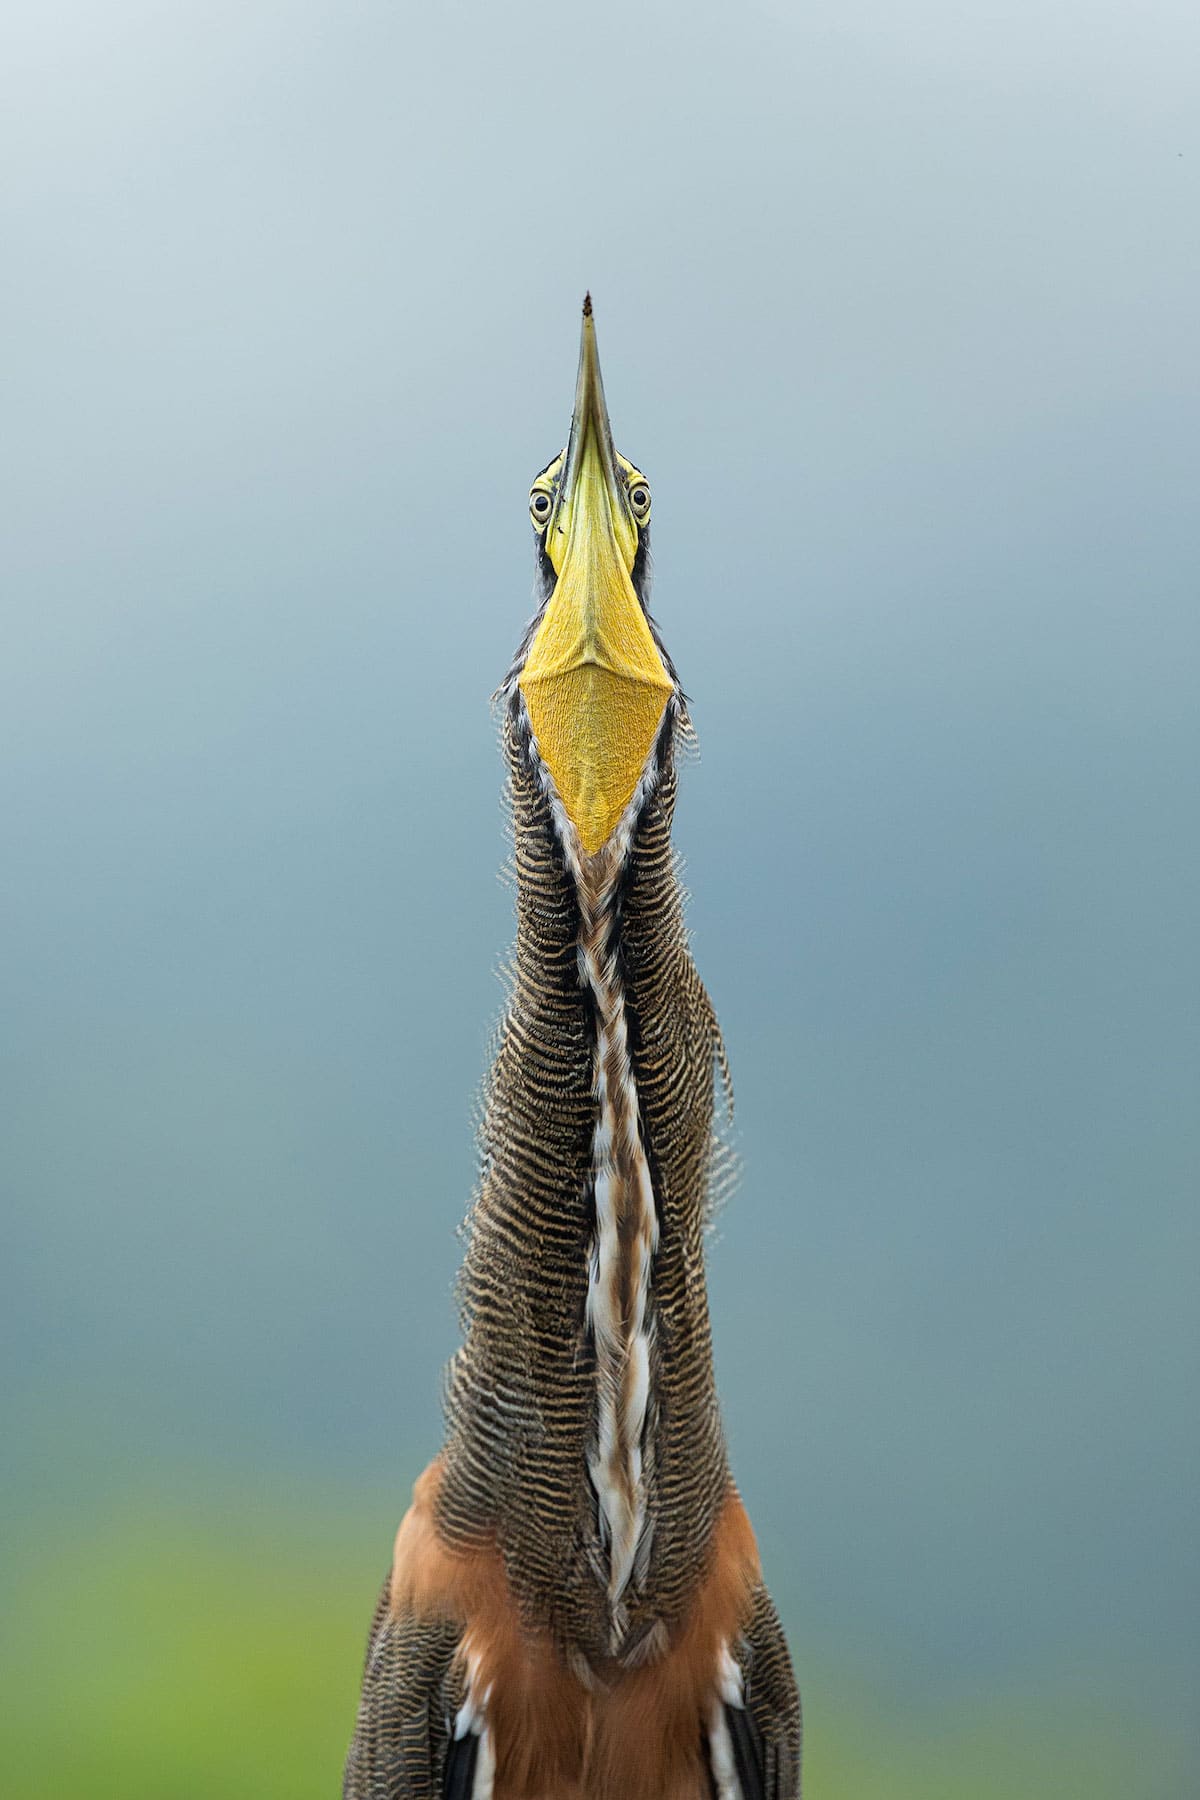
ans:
(639, 500)
(539, 505)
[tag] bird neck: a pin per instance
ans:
(583, 1425)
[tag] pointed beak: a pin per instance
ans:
(594, 682)
(591, 493)
(591, 477)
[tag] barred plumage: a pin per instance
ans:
(575, 1610)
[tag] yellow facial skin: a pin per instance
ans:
(594, 682)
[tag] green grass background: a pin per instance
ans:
(187, 1650)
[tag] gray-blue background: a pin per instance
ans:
(898, 309)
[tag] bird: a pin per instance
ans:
(575, 1608)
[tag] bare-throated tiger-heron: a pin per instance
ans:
(575, 1608)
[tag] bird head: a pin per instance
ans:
(594, 680)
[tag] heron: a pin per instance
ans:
(575, 1608)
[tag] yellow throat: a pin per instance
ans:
(594, 682)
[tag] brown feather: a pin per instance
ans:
(555, 1734)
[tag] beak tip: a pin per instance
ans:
(587, 306)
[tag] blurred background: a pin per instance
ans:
(898, 309)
